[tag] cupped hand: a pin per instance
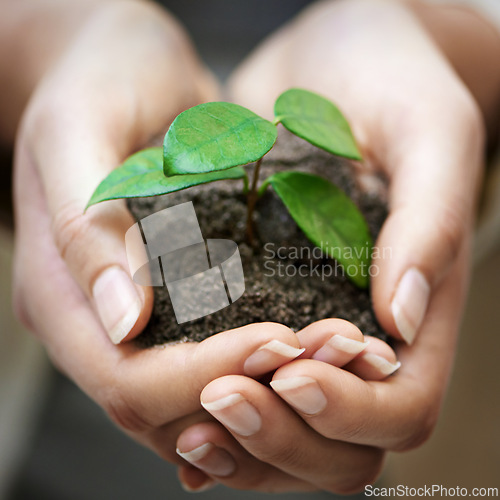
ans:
(124, 77)
(414, 120)
(417, 123)
(151, 394)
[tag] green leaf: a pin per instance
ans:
(215, 136)
(329, 219)
(142, 175)
(317, 120)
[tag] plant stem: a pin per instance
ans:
(252, 200)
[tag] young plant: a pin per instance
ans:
(212, 141)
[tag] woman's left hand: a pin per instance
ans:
(417, 122)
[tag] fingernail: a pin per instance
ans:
(269, 357)
(381, 364)
(410, 303)
(208, 484)
(303, 393)
(235, 413)
(117, 301)
(339, 350)
(210, 459)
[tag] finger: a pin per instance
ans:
(264, 425)
(336, 403)
(340, 343)
(334, 341)
(193, 480)
(398, 413)
(82, 123)
(254, 350)
(376, 362)
(434, 175)
(210, 448)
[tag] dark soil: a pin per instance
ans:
(274, 290)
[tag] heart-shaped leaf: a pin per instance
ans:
(317, 120)
(329, 219)
(142, 175)
(215, 136)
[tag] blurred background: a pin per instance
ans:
(57, 444)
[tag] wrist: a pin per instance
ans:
(472, 46)
(33, 37)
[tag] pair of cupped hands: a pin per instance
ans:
(331, 412)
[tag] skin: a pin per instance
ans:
(151, 395)
(419, 124)
(154, 395)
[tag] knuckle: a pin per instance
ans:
(48, 112)
(364, 472)
(256, 479)
(22, 292)
(274, 328)
(123, 412)
(276, 331)
(450, 227)
(459, 113)
(20, 306)
(352, 430)
(465, 121)
(420, 432)
(69, 227)
(420, 425)
(287, 456)
(41, 114)
(470, 115)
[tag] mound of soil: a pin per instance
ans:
(287, 280)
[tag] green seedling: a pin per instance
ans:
(212, 141)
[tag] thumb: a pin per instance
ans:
(92, 244)
(93, 108)
(434, 177)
